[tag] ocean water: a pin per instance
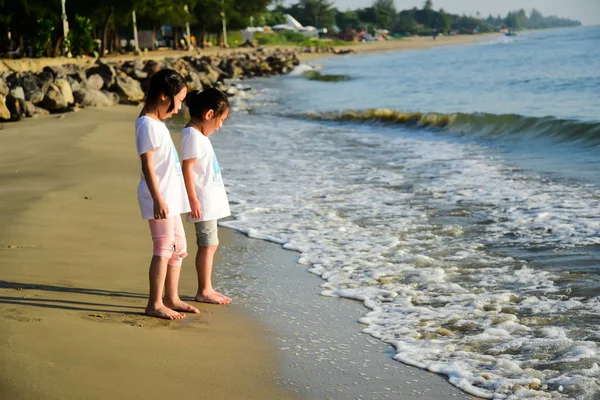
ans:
(463, 210)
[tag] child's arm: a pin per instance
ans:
(161, 210)
(188, 178)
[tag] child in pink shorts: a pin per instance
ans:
(161, 193)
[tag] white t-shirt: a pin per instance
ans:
(152, 134)
(207, 175)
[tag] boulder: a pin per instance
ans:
(57, 71)
(113, 97)
(182, 66)
(106, 72)
(54, 100)
(128, 89)
(94, 82)
(205, 80)
(39, 112)
(17, 92)
(213, 73)
(29, 109)
(198, 81)
(79, 76)
(65, 89)
(4, 111)
(264, 68)
(62, 71)
(16, 107)
(75, 84)
(138, 74)
(231, 91)
(3, 88)
(152, 67)
(92, 98)
(34, 85)
(193, 81)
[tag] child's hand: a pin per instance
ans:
(161, 210)
(196, 207)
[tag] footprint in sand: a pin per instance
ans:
(17, 315)
(16, 246)
(133, 320)
(142, 320)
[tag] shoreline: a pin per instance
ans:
(411, 43)
(397, 45)
(324, 353)
(30, 88)
(72, 299)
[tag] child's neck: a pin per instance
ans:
(150, 113)
(197, 125)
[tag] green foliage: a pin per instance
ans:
(538, 21)
(385, 13)
(517, 20)
(208, 18)
(281, 38)
(291, 38)
(314, 42)
(270, 18)
(405, 23)
(37, 23)
(318, 13)
(41, 39)
(443, 22)
(155, 13)
(347, 20)
(81, 39)
(367, 16)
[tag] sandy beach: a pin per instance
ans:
(411, 43)
(73, 262)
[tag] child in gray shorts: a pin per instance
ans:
(204, 184)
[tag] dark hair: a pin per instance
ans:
(167, 82)
(210, 99)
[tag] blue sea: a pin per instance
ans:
(455, 192)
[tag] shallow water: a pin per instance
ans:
(474, 246)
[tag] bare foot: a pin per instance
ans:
(212, 297)
(179, 305)
(163, 312)
(227, 298)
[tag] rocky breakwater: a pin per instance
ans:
(68, 87)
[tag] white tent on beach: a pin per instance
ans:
(292, 24)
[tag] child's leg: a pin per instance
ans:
(163, 241)
(156, 307)
(208, 241)
(172, 299)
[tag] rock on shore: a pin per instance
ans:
(63, 88)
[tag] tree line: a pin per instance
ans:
(382, 14)
(37, 25)
(99, 25)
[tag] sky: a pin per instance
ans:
(586, 11)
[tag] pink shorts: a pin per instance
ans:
(168, 238)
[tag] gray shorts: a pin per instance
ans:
(206, 233)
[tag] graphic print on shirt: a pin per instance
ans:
(216, 170)
(178, 169)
